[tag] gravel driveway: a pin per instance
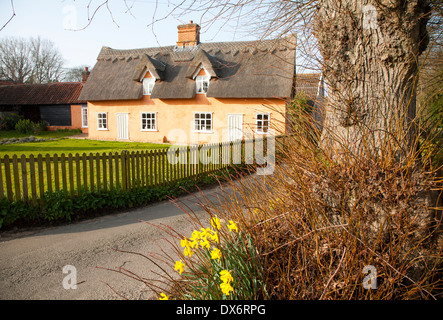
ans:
(31, 264)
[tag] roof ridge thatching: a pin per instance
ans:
(238, 69)
(224, 47)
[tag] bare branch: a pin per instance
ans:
(12, 16)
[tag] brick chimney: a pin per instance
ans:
(188, 35)
(85, 74)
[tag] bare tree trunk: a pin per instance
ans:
(370, 50)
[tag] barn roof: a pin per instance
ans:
(41, 94)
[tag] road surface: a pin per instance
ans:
(31, 264)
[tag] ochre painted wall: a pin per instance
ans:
(76, 118)
(175, 118)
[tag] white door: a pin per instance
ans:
(122, 126)
(235, 127)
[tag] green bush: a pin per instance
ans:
(9, 122)
(40, 126)
(24, 126)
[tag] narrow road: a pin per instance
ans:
(31, 265)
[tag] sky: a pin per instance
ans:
(65, 23)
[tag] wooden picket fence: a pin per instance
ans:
(29, 177)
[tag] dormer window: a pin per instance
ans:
(148, 83)
(202, 83)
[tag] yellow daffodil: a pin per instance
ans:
(215, 222)
(184, 243)
(216, 254)
(225, 276)
(205, 244)
(179, 266)
(163, 297)
(188, 252)
(195, 235)
(214, 237)
(226, 288)
(232, 226)
(206, 232)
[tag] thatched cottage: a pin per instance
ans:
(192, 92)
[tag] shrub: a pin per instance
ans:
(9, 122)
(40, 126)
(24, 126)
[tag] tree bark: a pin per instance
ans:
(370, 50)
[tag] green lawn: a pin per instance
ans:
(66, 146)
(41, 134)
(76, 173)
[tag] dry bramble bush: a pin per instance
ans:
(311, 229)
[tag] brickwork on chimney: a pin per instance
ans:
(188, 34)
(85, 74)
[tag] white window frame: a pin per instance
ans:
(148, 86)
(98, 120)
(205, 124)
(155, 121)
(201, 80)
(200, 84)
(83, 109)
(259, 123)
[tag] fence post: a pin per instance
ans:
(124, 160)
(1, 182)
(33, 181)
(48, 172)
(56, 172)
(24, 177)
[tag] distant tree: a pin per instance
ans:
(74, 74)
(32, 60)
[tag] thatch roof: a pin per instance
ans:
(56, 93)
(248, 69)
(308, 83)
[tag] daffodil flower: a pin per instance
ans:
(225, 276)
(214, 237)
(163, 297)
(188, 252)
(184, 243)
(226, 288)
(232, 226)
(215, 222)
(179, 266)
(205, 244)
(216, 254)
